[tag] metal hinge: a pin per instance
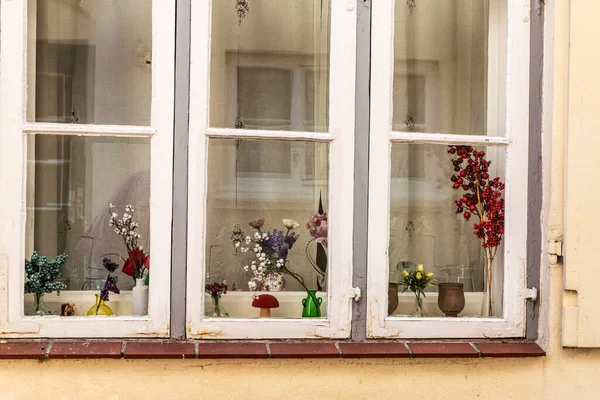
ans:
(531, 294)
(555, 248)
(354, 293)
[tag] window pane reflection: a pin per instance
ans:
(427, 227)
(269, 180)
(71, 180)
(270, 65)
(450, 67)
(90, 61)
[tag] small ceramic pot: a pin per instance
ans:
(392, 298)
(451, 298)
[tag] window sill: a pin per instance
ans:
(42, 350)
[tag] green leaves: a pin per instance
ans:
(41, 274)
(416, 281)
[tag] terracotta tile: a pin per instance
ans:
(86, 350)
(159, 350)
(373, 350)
(303, 350)
(510, 350)
(442, 350)
(23, 350)
(232, 350)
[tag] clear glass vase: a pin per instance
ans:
(39, 307)
(418, 312)
(216, 310)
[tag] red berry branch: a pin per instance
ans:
(482, 197)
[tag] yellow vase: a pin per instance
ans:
(100, 308)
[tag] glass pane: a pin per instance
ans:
(428, 227)
(450, 67)
(270, 65)
(90, 61)
(71, 182)
(272, 181)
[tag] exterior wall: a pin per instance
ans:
(564, 373)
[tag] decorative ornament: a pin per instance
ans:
(237, 237)
(74, 114)
(409, 122)
(241, 7)
(412, 5)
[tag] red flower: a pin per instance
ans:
(136, 262)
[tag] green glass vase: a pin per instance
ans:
(311, 305)
(100, 308)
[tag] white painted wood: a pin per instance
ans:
(38, 128)
(268, 134)
(512, 324)
(13, 150)
(445, 138)
(341, 138)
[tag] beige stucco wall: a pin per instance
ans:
(563, 374)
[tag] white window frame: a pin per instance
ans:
(341, 138)
(515, 141)
(13, 169)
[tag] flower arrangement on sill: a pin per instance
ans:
(216, 290)
(416, 281)
(271, 250)
(482, 197)
(41, 278)
(137, 265)
(100, 308)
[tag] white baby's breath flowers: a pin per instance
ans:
(290, 223)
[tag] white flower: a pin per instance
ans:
(290, 223)
(246, 268)
(248, 240)
(253, 267)
(237, 244)
(111, 205)
(262, 264)
(252, 285)
(264, 235)
(115, 215)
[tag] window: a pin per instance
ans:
(277, 138)
(447, 65)
(88, 138)
(97, 117)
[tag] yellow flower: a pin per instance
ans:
(418, 275)
(420, 268)
(429, 274)
(404, 273)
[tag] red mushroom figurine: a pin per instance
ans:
(265, 302)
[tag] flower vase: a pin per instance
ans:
(40, 308)
(311, 305)
(487, 304)
(100, 308)
(392, 297)
(418, 312)
(139, 298)
(274, 281)
(216, 310)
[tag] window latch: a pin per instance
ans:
(531, 294)
(354, 293)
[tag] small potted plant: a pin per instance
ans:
(100, 308)
(416, 281)
(41, 278)
(137, 264)
(216, 290)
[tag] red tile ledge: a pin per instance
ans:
(304, 350)
(81, 350)
(232, 350)
(160, 350)
(442, 350)
(23, 350)
(218, 350)
(374, 350)
(513, 349)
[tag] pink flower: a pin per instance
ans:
(257, 224)
(318, 227)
